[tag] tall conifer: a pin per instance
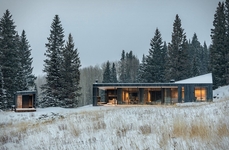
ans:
(218, 48)
(26, 63)
(177, 66)
(154, 64)
(113, 74)
(9, 57)
(107, 73)
(52, 66)
(227, 41)
(70, 75)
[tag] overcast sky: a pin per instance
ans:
(103, 28)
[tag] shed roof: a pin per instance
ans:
(25, 92)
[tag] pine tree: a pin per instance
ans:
(26, 63)
(9, 57)
(52, 67)
(141, 78)
(206, 60)
(1, 90)
(218, 48)
(122, 76)
(20, 78)
(196, 56)
(154, 67)
(128, 67)
(113, 74)
(178, 66)
(107, 73)
(227, 41)
(163, 62)
(70, 75)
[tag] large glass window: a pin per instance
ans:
(130, 96)
(200, 94)
(182, 94)
(174, 95)
(153, 96)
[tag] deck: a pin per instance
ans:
(25, 109)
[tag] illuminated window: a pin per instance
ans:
(200, 94)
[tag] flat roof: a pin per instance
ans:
(25, 92)
(199, 80)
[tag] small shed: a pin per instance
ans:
(25, 101)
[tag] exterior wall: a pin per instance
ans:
(19, 101)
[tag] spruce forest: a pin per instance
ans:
(66, 84)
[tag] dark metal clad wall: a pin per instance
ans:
(141, 95)
(209, 93)
(119, 95)
(94, 96)
(179, 94)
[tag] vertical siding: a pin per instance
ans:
(141, 95)
(19, 101)
(94, 101)
(179, 94)
(119, 95)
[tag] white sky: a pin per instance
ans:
(103, 28)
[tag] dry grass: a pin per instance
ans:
(74, 130)
(121, 132)
(145, 129)
(179, 128)
(199, 130)
(106, 128)
(99, 125)
(222, 130)
(62, 127)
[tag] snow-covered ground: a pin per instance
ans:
(184, 126)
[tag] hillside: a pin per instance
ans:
(183, 126)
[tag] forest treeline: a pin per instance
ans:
(66, 84)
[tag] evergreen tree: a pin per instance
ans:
(52, 67)
(154, 65)
(163, 62)
(141, 71)
(122, 76)
(1, 90)
(20, 78)
(227, 41)
(113, 74)
(218, 48)
(9, 57)
(70, 75)
(128, 68)
(28, 79)
(196, 56)
(206, 60)
(177, 65)
(107, 73)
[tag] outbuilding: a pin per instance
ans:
(25, 101)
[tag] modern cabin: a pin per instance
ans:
(196, 89)
(25, 101)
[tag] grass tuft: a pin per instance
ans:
(145, 129)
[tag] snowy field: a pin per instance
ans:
(196, 126)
